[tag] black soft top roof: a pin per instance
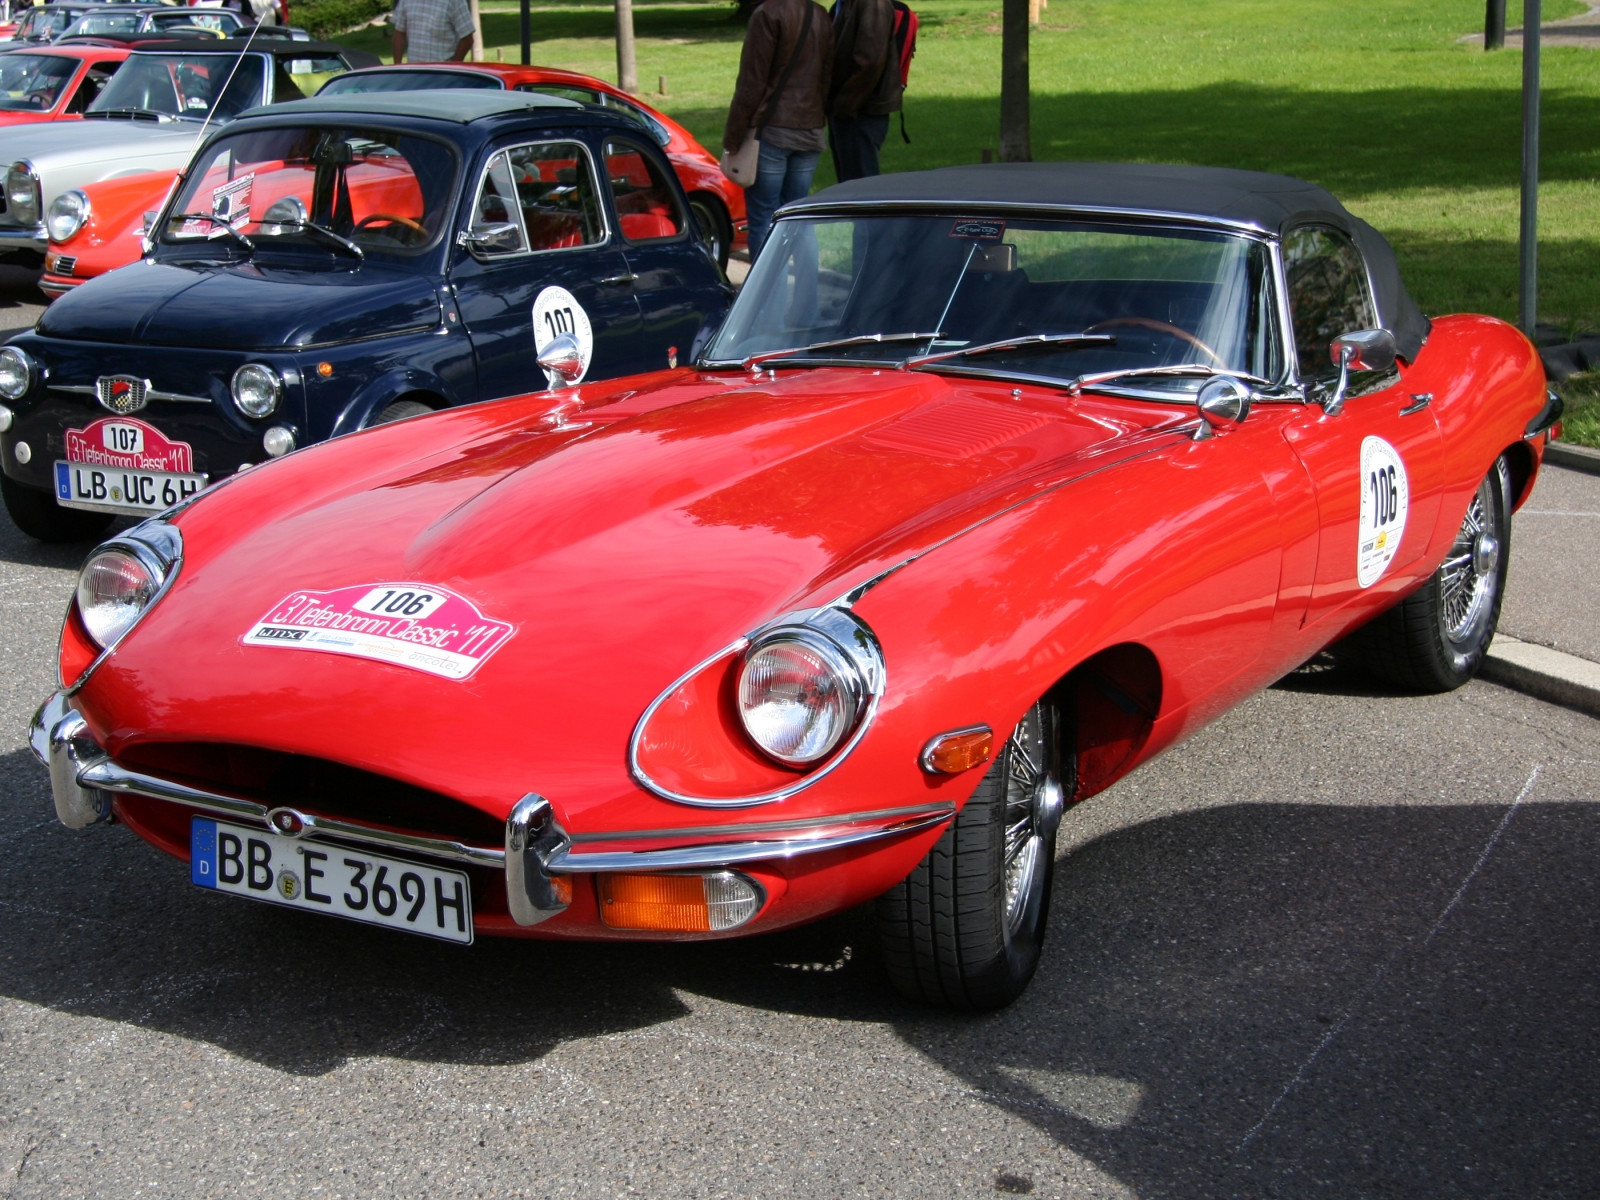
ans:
(1255, 200)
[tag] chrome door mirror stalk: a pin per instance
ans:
(533, 839)
(1222, 401)
(503, 237)
(1363, 350)
(563, 358)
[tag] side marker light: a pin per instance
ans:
(959, 750)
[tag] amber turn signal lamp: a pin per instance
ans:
(959, 750)
(696, 903)
(324, 369)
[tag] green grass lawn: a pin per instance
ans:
(1374, 99)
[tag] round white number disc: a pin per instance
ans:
(1385, 498)
(557, 311)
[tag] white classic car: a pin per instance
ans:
(149, 118)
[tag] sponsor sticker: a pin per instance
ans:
(557, 311)
(1385, 499)
(415, 625)
(987, 231)
(129, 443)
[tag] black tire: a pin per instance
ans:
(38, 515)
(716, 230)
(966, 927)
(400, 410)
(1435, 639)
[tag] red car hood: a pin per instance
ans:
(656, 526)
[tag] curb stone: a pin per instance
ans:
(1543, 673)
(1577, 458)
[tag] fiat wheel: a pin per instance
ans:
(965, 928)
(400, 410)
(1435, 639)
(716, 231)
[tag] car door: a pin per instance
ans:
(539, 262)
(1377, 463)
(678, 287)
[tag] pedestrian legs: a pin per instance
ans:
(856, 144)
(782, 176)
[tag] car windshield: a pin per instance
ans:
(91, 24)
(407, 81)
(33, 82)
(220, 21)
(184, 85)
(42, 24)
(343, 190)
(1091, 297)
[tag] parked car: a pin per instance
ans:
(334, 263)
(114, 22)
(148, 118)
(53, 83)
(46, 22)
(996, 482)
(104, 227)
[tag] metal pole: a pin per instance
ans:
(1016, 140)
(627, 63)
(527, 37)
(1528, 292)
(1494, 25)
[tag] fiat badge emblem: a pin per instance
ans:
(122, 394)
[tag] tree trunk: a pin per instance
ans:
(1016, 143)
(1494, 25)
(627, 62)
(477, 32)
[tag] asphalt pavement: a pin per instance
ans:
(1341, 943)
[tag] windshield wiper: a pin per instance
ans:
(1034, 341)
(1203, 370)
(326, 234)
(216, 223)
(866, 339)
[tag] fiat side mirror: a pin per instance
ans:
(1363, 350)
(503, 237)
(563, 359)
(1223, 401)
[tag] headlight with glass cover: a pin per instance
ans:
(256, 390)
(22, 193)
(16, 373)
(69, 212)
(803, 688)
(124, 577)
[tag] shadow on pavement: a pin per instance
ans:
(1194, 966)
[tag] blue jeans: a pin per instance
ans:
(783, 175)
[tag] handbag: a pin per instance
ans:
(744, 164)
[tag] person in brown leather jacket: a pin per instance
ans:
(782, 89)
(866, 85)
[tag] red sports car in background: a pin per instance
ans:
(101, 227)
(53, 83)
(995, 482)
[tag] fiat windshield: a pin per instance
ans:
(347, 190)
(1053, 301)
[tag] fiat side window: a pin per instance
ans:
(647, 207)
(1328, 295)
(546, 192)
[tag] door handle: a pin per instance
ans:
(626, 279)
(1419, 401)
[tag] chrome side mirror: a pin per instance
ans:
(1363, 350)
(563, 359)
(1223, 400)
(284, 215)
(503, 237)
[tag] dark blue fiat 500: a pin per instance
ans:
(334, 263)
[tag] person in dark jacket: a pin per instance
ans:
(866, 85)
(784, 107)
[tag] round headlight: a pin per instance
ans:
(22, 193)
(69, 212)
(16, 373)
(798, 697)
(256, 390)
(114, 588)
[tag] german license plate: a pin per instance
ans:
(433, 901)
(121, 489)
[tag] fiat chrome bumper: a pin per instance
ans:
(83, 779)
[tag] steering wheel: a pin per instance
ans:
(414, 226)
(1161, 327)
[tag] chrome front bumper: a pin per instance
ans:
(83, 779)
(14, 237)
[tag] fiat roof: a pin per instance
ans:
(460, 105)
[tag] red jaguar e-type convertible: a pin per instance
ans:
(994, 483)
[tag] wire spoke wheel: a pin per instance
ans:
(1469, 578)
(1025, 777)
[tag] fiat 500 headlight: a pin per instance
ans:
(69, 212)
(802, 691)
(16, 373)
(114, 588)
(22, 193)
(256, 390)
